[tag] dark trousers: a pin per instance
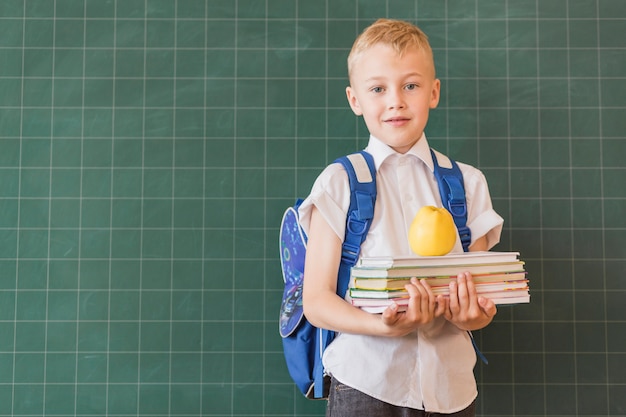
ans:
(344, 401)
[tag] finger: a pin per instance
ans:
(419, 290)
(391, 314)
(428, 300)
(441, 305)
(432, 298)
(462, 289)
(414, 298)
(453, 298)
(420, 300)
(488, 306)
(447, 313)
(413, 288)
(471, 287)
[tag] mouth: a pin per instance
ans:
(397, 121)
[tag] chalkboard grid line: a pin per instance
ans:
(208, 50)
(80, 219)
(361, 20)
(542, 268)
(141, 299)
(235, 203)
(45, 354)
(173, 187)
(110, 237)
(19, 188)
(607, 365)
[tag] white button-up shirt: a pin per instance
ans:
(432, 368)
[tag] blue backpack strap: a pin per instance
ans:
(361, 172)
(362, 177)
(452, 191)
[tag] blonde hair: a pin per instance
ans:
(397, 34)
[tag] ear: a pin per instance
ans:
(353, 101)
(435, 94)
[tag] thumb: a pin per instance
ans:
(390, 315)
(488, 306)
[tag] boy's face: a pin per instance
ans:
(393, 94)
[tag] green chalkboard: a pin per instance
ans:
(149, 147)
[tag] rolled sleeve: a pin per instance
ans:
(330, 194)
(482, 219)
(488, 224)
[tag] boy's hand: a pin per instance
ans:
(422, 309)
(465, 308)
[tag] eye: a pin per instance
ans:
(411, 86)
(376, 89)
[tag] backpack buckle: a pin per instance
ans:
(355, 229)
(457, 208)
(350, 253)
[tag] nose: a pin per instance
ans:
(395, 100)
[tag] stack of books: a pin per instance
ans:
(376, 283)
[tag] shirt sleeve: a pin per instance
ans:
(330, 194)
(482, 219)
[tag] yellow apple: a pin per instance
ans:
(432, 232)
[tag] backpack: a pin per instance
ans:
(304, 344)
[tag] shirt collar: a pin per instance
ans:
(381, 151)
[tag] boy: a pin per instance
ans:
(419, 362)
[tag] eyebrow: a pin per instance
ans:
(382, 77)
